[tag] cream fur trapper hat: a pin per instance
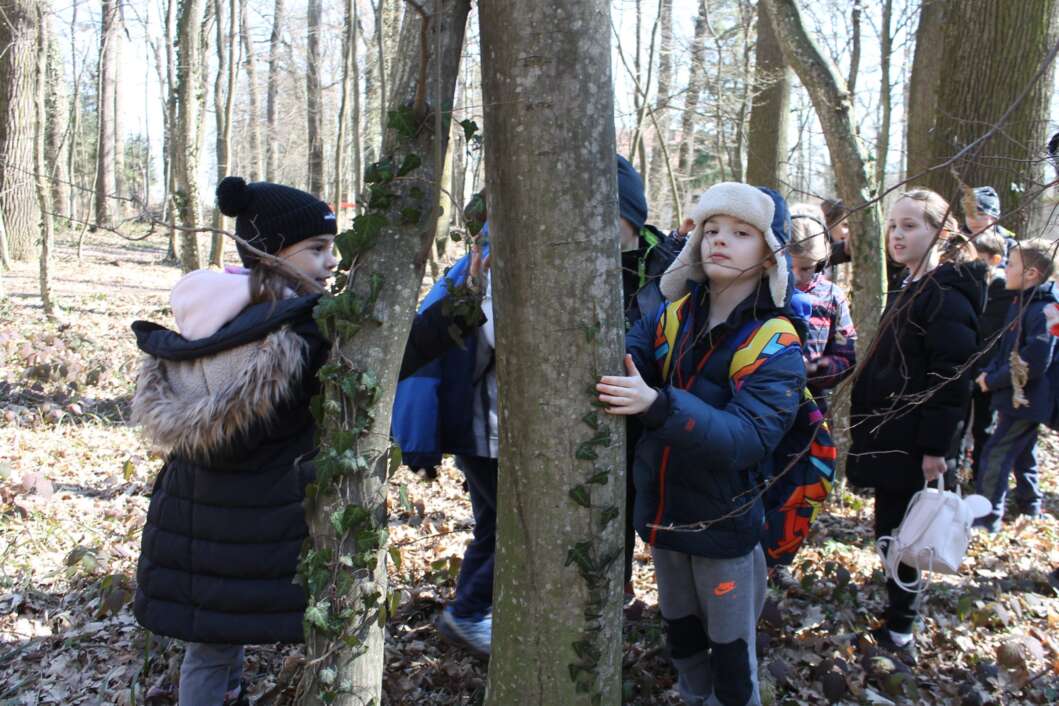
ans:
(748, 204)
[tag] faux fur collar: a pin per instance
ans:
(194, 407)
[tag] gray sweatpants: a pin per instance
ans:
(209, 672)
(710, 608)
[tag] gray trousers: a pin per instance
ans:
(710, 608)
(209, 672)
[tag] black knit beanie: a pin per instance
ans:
(272, 216)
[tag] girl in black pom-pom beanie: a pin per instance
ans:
(226, 396)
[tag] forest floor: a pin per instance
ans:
(74, 484)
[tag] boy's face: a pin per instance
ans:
(804, 269)
(1018, 276)
(313, 257)
(732, 250)
(978, 222)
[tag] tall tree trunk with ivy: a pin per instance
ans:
(557, 618)
(314, 111)
(383, 259)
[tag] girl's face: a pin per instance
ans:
(840, 231)
(314, 257)
(732, 250)
(908, 235)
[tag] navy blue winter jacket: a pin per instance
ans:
(706, 448)
(1035, 345)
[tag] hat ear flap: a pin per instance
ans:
(686, 266)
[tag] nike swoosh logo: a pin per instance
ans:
(723, 588)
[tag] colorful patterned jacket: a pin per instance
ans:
(832, 339)
(709, 437)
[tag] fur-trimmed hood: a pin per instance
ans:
(194, 396)
(193, 407)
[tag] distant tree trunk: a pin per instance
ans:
(57, 141)
(107, 75)
(170, 125)
(696, 80)
(223, 98)
(831, 100)
(74, 192)
(923, 85)
(314, 105)
(119, 205)
(19, 209)
(185, 154)
(347, 508)
(272, 91)
(349, 43)
(655, 185)
(354, 135)
(254, 101)
(44, 191)
(1010, 161)
(558, 568)
(770, 115)
(885, 50)
(372, 91)
(854, 58)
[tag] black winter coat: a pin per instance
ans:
(911, 398)
(226, 521)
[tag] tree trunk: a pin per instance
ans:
(107, 75)
(854, 58)
(185, 152)
(1010, 160)
(119, 205)
(923, 85)
(354, 135)
(344, 566)
(885, 50)
(272, 91)
(831, 100)
(57, 141)
(769, 117)
(696, 81)
(314, 102)
(40, 170)
(557, 625)
(223, 97)
(19, 209)
(655, 184)
(349, 43)
(254, 101)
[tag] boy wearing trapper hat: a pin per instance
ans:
(714, 405)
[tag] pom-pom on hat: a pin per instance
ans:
(272, 216)
(762, 208)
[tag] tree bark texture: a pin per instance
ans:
(314, 102)
(57, 141)
(766, 161)
(696, 82)
(275, 42)
(923, 85)
(349, 44)
(118, 206)
(44, 192)
(107, 76)
(983, 79)
(659, 155)
(885, 50)
(253, 127)
(185, 152)
(382, 289)
(557, 617)
(831, 101)
(223, 98)
(19, 210)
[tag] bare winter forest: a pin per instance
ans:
(118, 119)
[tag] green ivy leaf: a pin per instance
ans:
(469, 128)
(599, 477)
(585, 452)
(591, 419)
(608, 515)
(410, 163)
(580, 495)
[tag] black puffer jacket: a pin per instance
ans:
(911, 396)
(226, 521)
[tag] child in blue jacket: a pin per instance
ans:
(710, 428)
(1013, 445)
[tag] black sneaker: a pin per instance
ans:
(905, 653)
